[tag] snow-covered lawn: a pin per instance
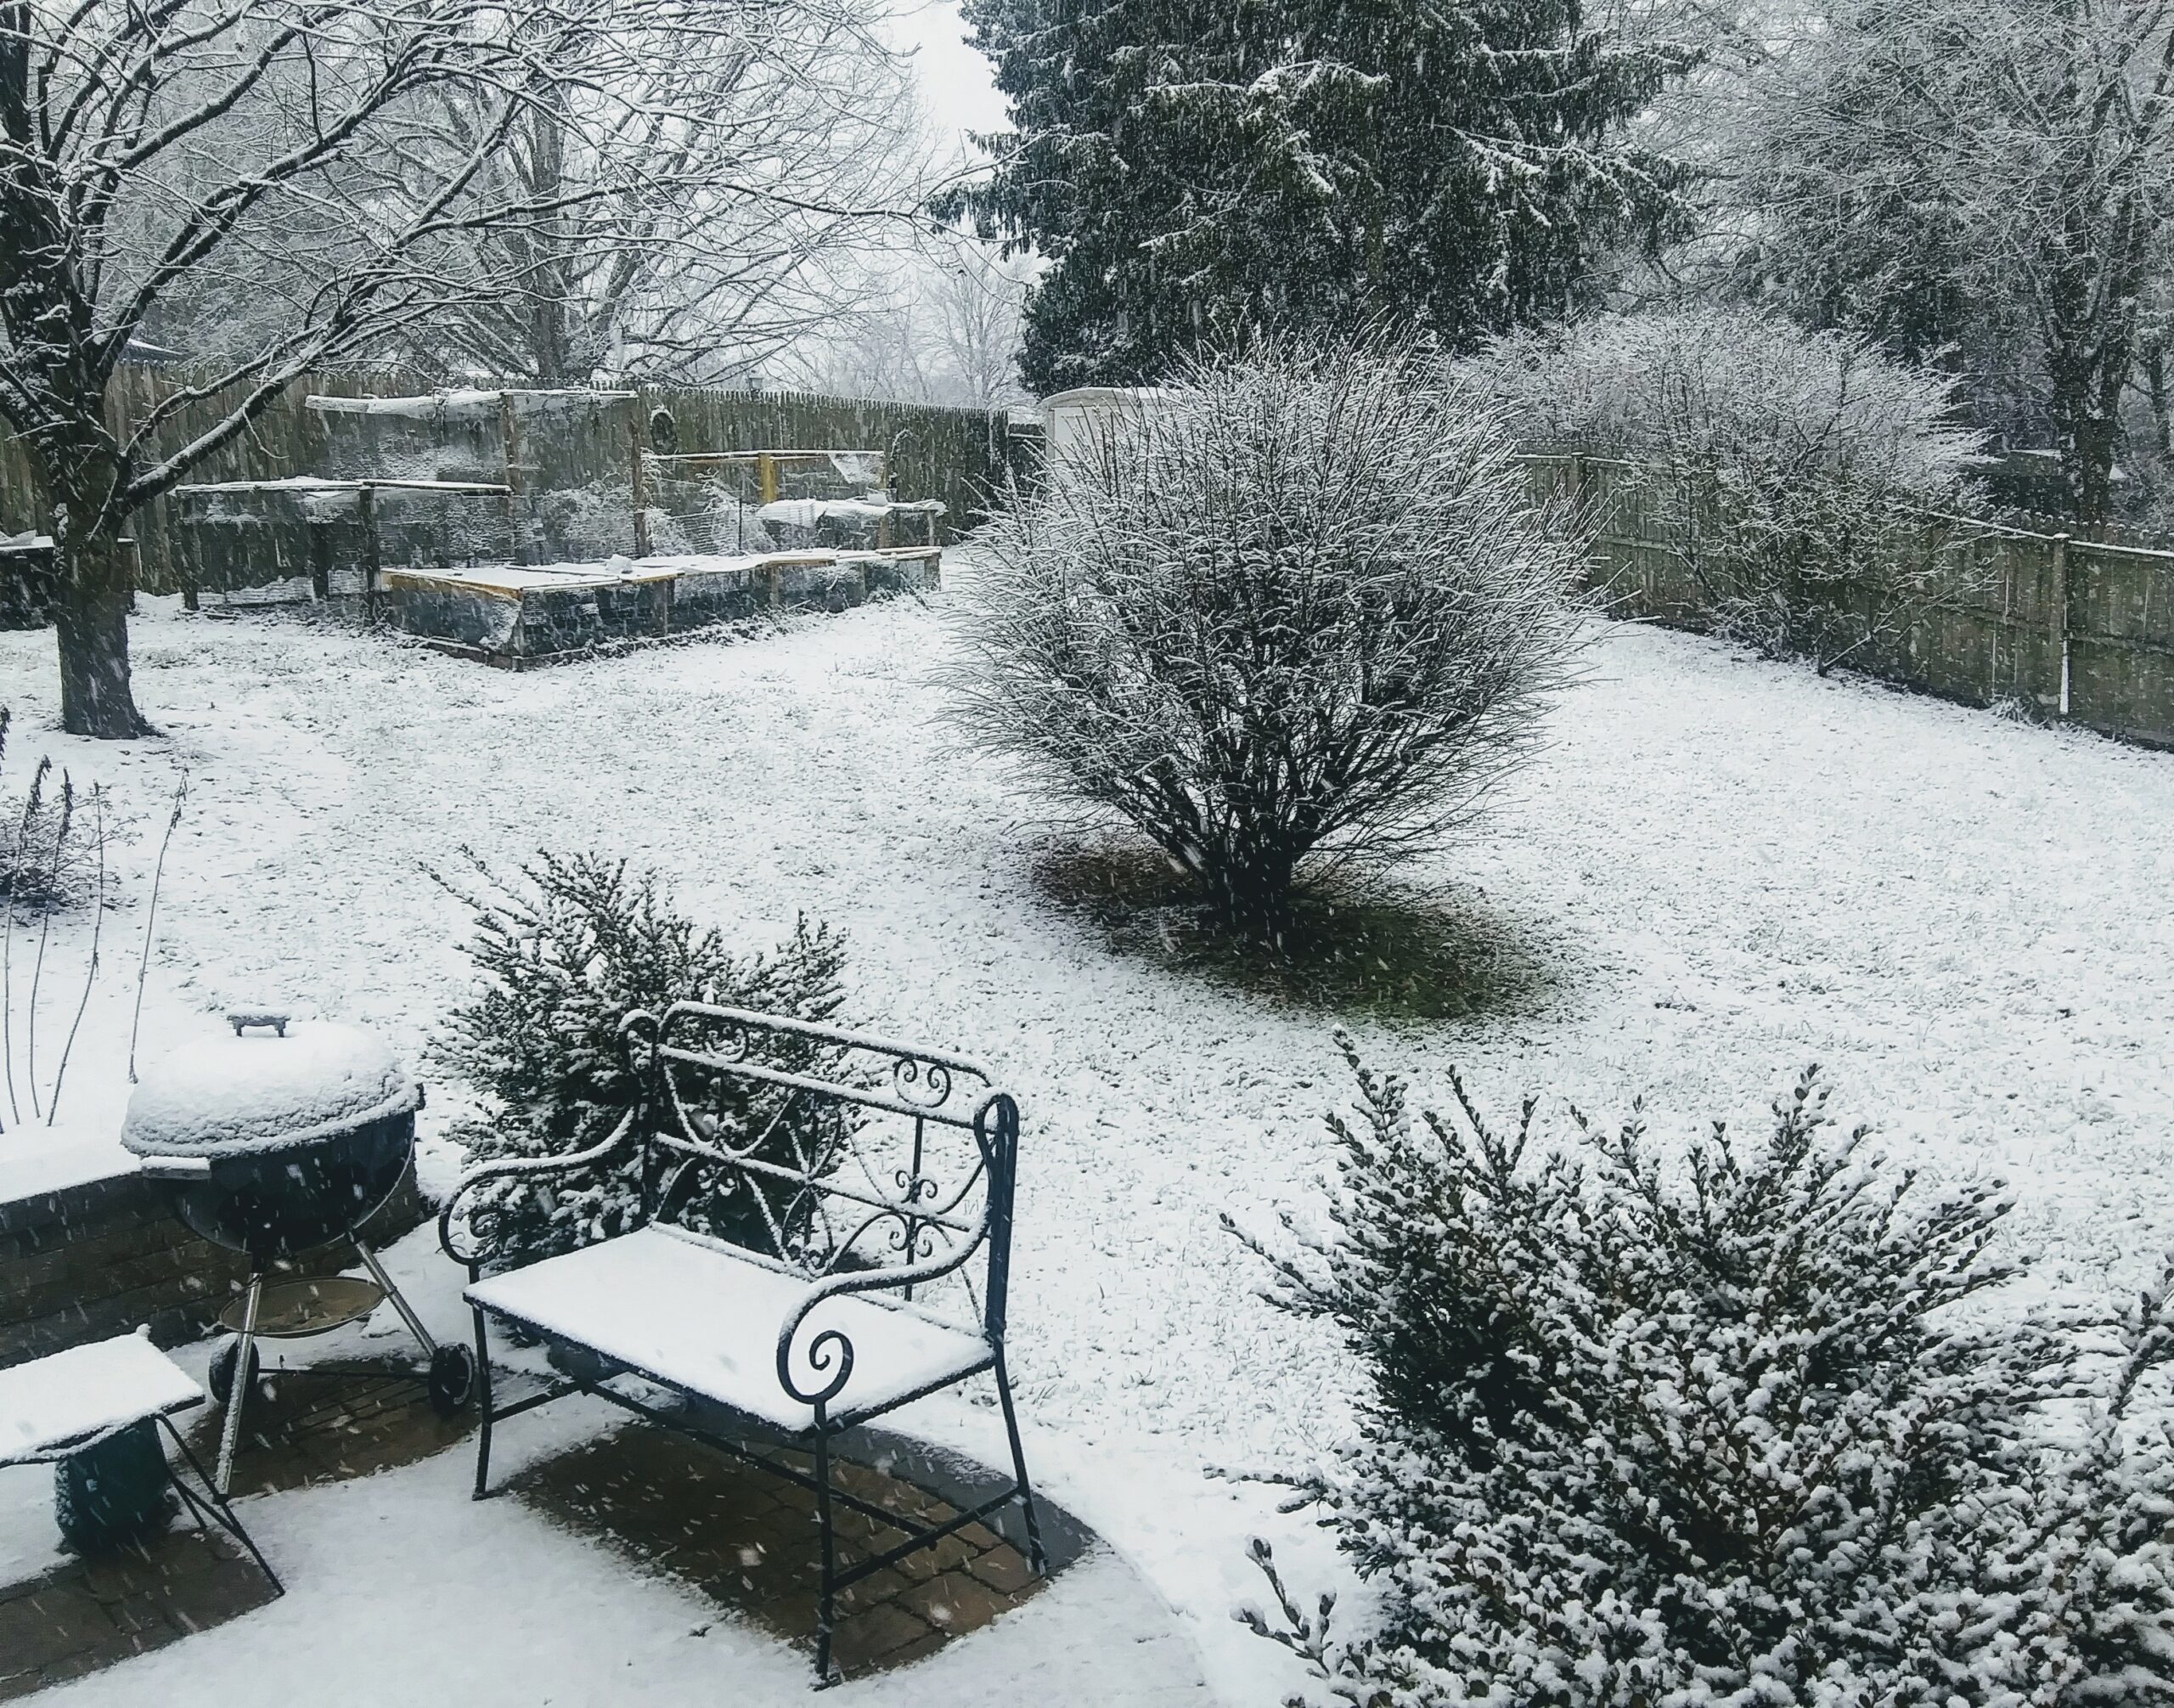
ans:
(1727, 869)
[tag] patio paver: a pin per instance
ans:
(750, 1542)
(746, 1541)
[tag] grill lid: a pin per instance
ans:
(316, 1081)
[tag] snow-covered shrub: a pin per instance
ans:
(1303, 610)
(1791, 468)
(1740, 1430)
(561, 960)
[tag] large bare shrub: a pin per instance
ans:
(1301, 610)
(1794, 470)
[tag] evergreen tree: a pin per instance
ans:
(561, 959)
(1193, 168)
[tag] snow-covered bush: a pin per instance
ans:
(561, 960)
(1740, 1430)
(1791, 469)
(1305, 611)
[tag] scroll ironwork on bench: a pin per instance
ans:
(836, 1174)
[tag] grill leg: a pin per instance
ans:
(1035, 1555)
(399, 1301)
(827, 1605)
(482, 1404)
(238, 1394)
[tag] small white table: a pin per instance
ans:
(53, 1408)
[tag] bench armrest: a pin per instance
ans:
(507, 1167)
(829, 1354)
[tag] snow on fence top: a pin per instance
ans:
(320, 484)
(454, 402)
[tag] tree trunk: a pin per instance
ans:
(2155, 374)
(81, 471)
(2093, 442)
(90, 616)
(2090, 435)
(1250, 890)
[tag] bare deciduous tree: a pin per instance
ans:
(979, 308)
(2029, 148)
(946, 329)
(719, 181)
(291, 159)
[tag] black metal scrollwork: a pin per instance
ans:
(924, 1083)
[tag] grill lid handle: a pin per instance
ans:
(176, 1168)
(258, 1017)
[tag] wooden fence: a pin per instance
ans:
(2073, 630)
(950, 454)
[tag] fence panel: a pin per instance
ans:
(2072, 629)
(2120, 675)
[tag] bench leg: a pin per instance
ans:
(826, 1606)
(482, 1406)
(1035, 1555)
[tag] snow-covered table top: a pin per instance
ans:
(690, 1314)
(50, 1403)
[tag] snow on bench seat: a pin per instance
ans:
(697, 1316)
(54, 1402)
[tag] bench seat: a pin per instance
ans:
(698, 1316)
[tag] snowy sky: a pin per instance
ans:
(955, 84)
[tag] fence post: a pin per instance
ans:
(641, 494)
(366, 504)
(516, 545)
(2060, 614)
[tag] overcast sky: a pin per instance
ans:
(954, 79)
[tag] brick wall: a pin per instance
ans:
(98, 1259)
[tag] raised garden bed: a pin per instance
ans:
(514, 615)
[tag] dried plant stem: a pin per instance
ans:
(44, 936)
(7, 936)
(151, 920)
(91, 972)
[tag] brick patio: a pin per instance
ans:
(749, 1541)
(84, 1616)
(746, 1541)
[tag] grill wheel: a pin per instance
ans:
(452, 1379)
(223, 1370)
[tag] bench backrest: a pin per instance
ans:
(828, 1152)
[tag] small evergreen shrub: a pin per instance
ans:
(1738, 1431)
(562, 958)
(1302, 612)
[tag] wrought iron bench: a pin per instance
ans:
(824, 1235)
